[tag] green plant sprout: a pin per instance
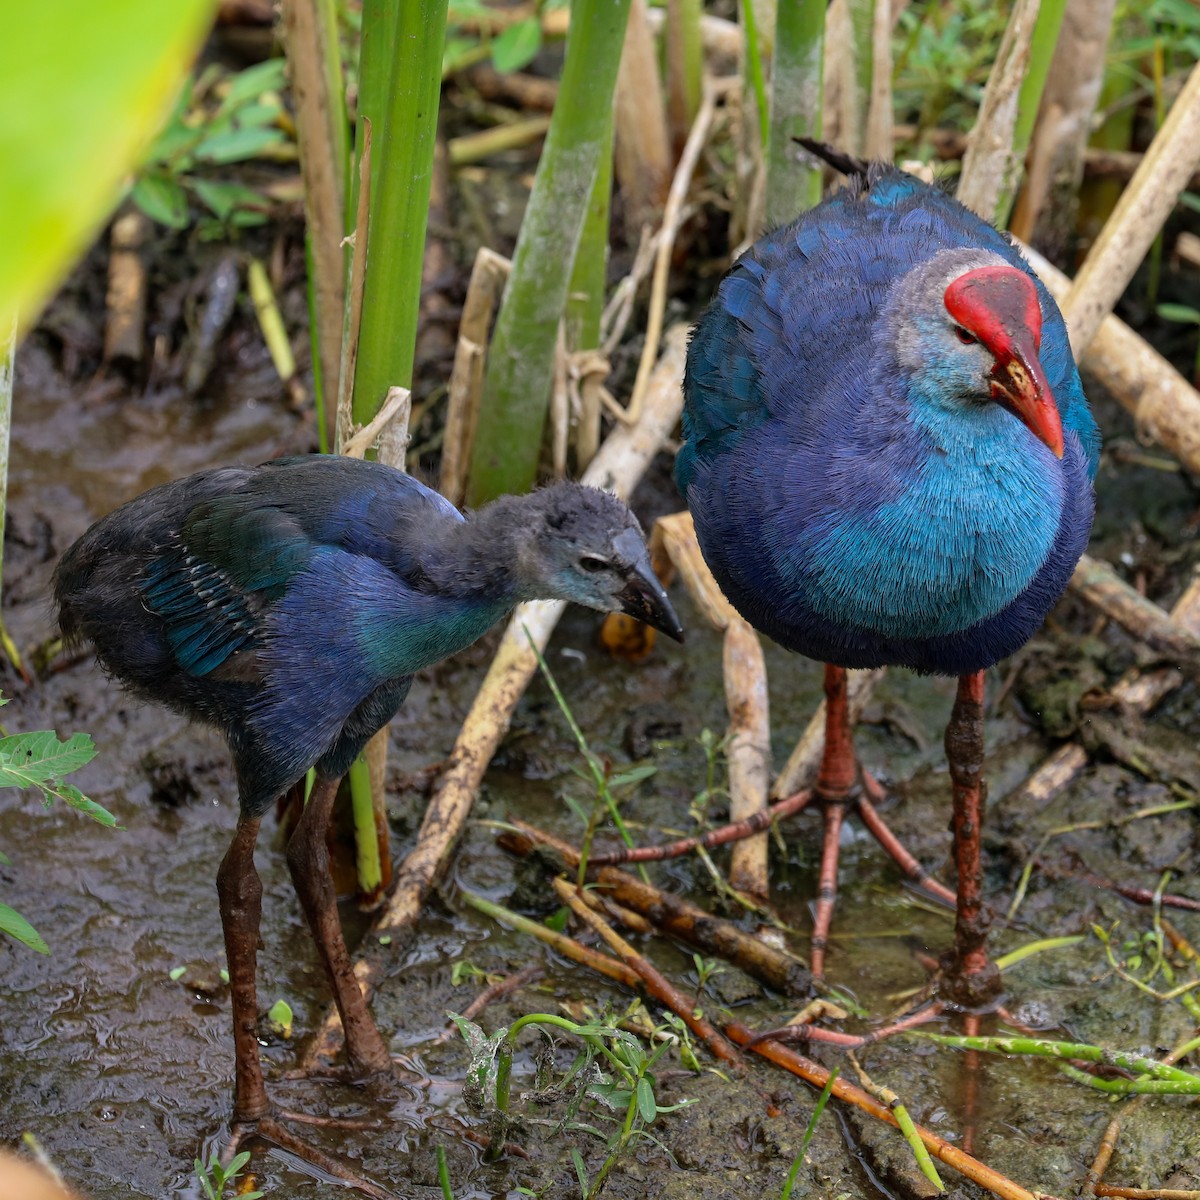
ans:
(213, 1177)
(626, 1087)
(40, 760)
(598, 773)
(809, 1131)
(219, 119)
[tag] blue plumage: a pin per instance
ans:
(857, 490)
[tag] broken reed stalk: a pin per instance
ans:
(1137, 219)
(748, 754)
(561, 943)
(488, 277)
(620, 463)
(520, 361)
(652, 979)
(1137, 692)
(642, 148)
(318, 92)
(675, 917)
(990, 165)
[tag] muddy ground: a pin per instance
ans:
(124, 1074)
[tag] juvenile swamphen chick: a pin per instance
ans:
(888, 457)
(290, 605)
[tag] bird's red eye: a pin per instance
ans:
(965, 336)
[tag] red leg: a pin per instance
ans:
(972, 979)
(835, 783)
(308, 860)
(240, 892)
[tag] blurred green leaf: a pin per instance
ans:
(237, 145)
(223, 197)
(249, 84)
(518, 45)
(83, 88)
(1184, 313)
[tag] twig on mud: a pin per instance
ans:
(735, 831)
(677, 918)
(529, 973)
(568, 947)
(651, 977)
(1100, 585)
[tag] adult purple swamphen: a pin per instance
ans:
(290, 605)
(888, 458)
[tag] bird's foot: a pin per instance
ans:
(270, 1128)
(968, 982)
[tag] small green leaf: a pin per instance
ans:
(84, 804)
(29, 759)
(580, 1172)
(15, 925)
(223, 197)
(177, 973)
(224, 975)
(280, 1017)
(249, 84)
(237, 145)
(162, 200)
(647, 1109)
(518, 45)
(1183, 313)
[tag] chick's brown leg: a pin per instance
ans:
(308, 861)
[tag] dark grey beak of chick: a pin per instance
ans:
(643, 597)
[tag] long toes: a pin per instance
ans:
(274, 1131)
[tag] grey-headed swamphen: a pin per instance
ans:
(888, 457)
(290, 605)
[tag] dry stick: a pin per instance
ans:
(757, 823)
(745, 674)
(620, 463)
(488, 277)
(676, 917)
(1131, 1193)
(967, 1166)
(529, 973)
(748, 754)
(125, 301)
(568, 947)
(877, 137)
(1165, 406)
(652, 979)
(1099, 584)
(672, 218)
(989, 166)
(1137, 219)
